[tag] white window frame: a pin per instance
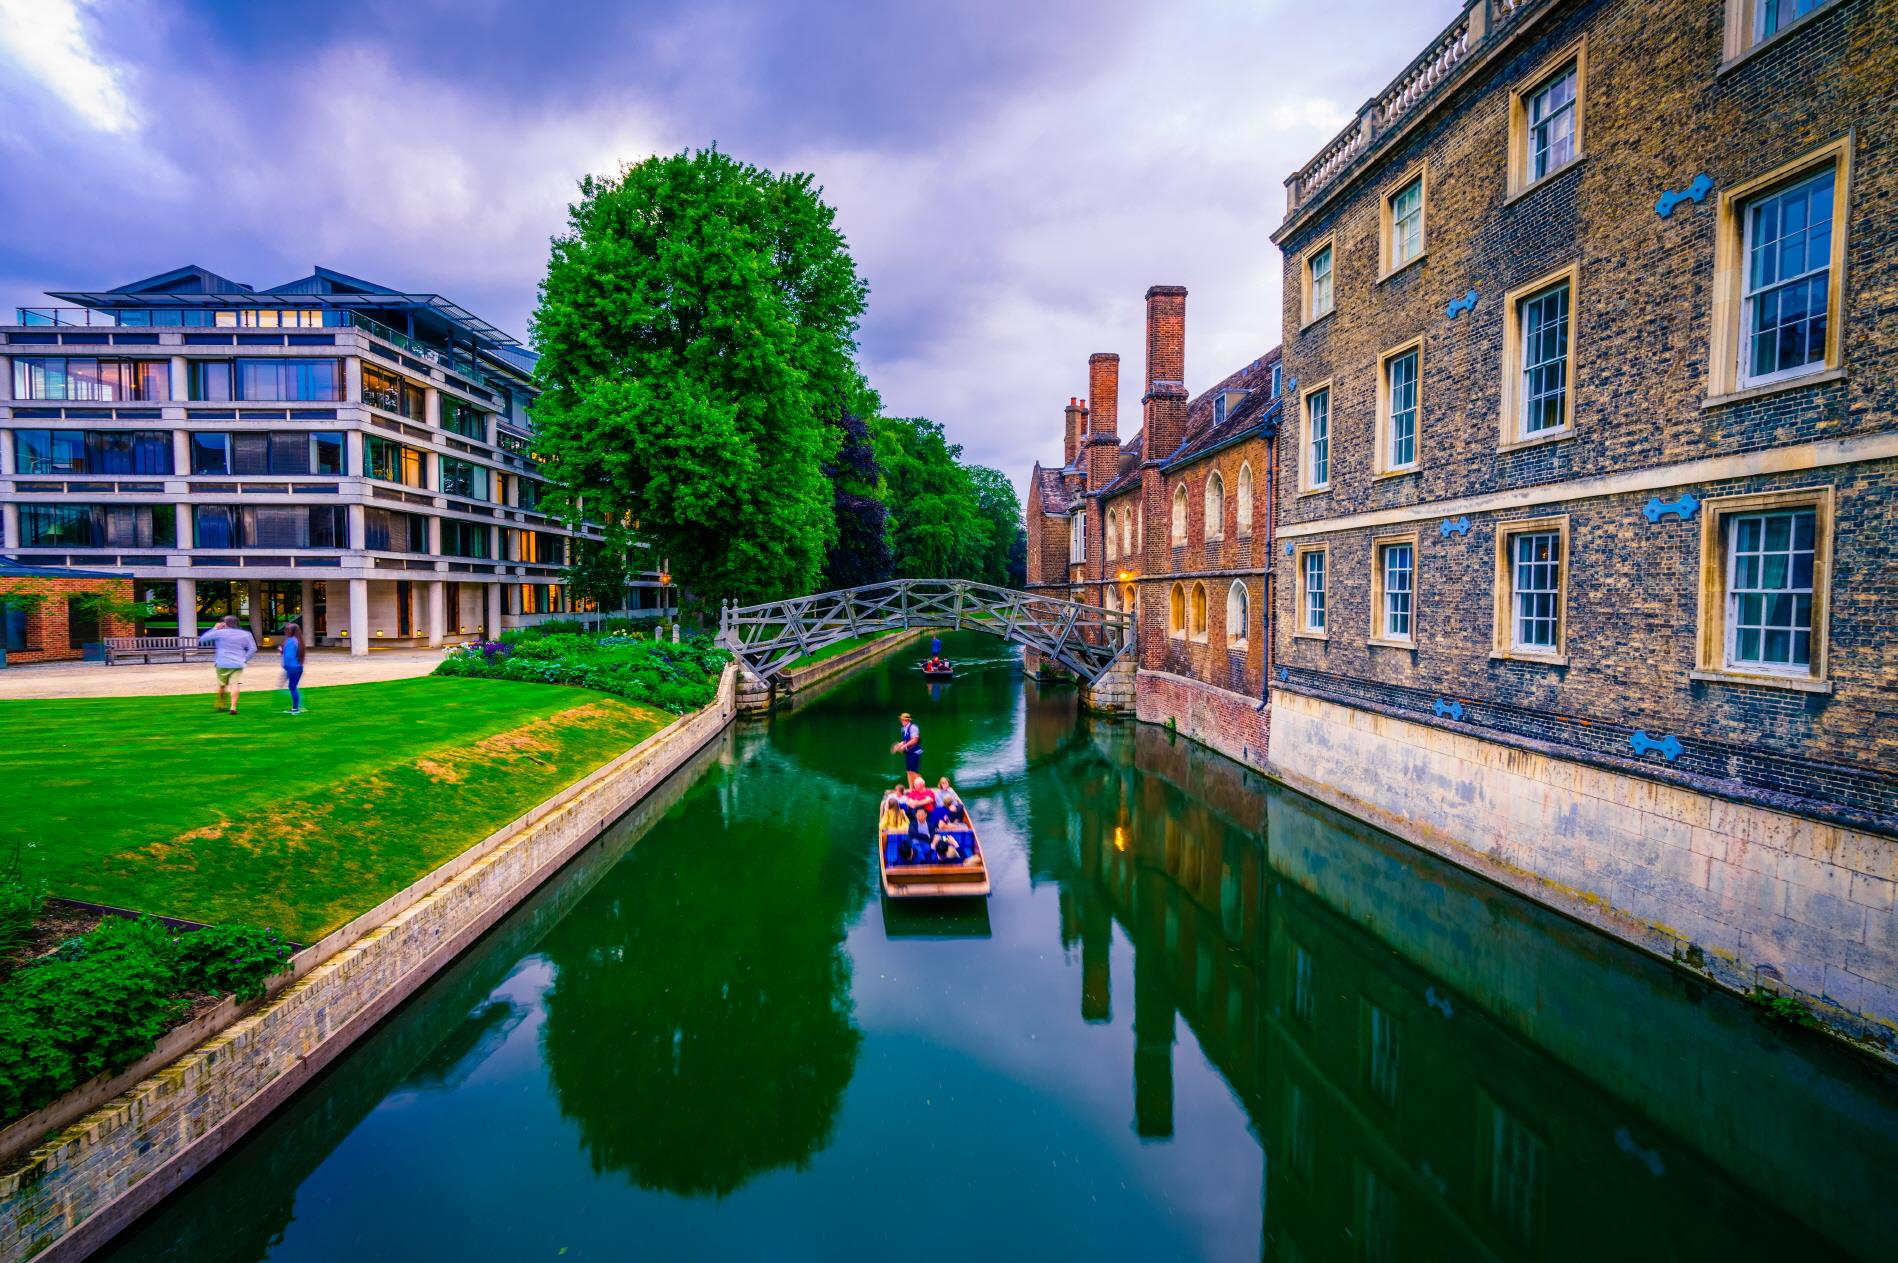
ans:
(1303, 621)
(1387, 464)
(1316, 400)
(1394, 228)
(1320, 296)
(1505, 640)
(1244, 615)
(1077, 537)
(1382, 595)
(1750, 296)
(1517, 349)
(1736, 595)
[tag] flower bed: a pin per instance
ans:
(676, 678)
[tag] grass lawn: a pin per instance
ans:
(166, 805)
(842, 646)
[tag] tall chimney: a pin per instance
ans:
(1103, 389)
(1165, 398)
(1076, 431)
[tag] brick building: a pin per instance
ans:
(1590, 472)
(1172, 524)
(52, 613)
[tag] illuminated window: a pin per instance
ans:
(1199, 612)
(1176, 612)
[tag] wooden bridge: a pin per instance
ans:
(1083, 638)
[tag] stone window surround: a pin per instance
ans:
(1510, 433)
(1378, 544)
(1248, 488)
(1301, 627)
(1711, 618)
(1519, 180)
(1503, 640)
(1176, 611)
(1199, 613)
(1176, 536)
(1417, 173)
(1214, 527)
(1307, 315)
(1306, 487)
(1382, 468)
(1725, 333)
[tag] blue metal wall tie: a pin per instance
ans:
(1289, 550)
(1683, 508)
(1695, 192)
(1453, 526)
(1668, 747)
(1458, 306)
(1451, 708)
(1284, 675)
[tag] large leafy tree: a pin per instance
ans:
(937, 530)
(1000, 507)
(696, 328)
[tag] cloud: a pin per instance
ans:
(47, 40)
(1011, 178)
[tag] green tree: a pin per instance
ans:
(861, 553)
(1001, 509)
(937, 529)
(696, 329)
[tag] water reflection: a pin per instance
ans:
(1201, 1017)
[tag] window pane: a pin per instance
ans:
(1544, 328)
(1788, 279)
(1401, 387)
(210, 453)
(1769, 589)
(1397, 561)
(1536, 573)
(1406, 223)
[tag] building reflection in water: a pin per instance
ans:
(1435, 1067)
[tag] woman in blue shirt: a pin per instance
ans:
(293, 665)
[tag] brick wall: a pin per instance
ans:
(48, 635)
(1232, 723)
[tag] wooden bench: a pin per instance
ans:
(147, 648)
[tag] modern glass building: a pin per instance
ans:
(329, 449)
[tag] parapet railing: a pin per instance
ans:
(1418, 84)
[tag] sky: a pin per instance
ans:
(1011, 176)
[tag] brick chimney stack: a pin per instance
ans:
(1076, 432)
(1165, 398)
(1103, 388)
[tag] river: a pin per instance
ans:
(1201, 1017)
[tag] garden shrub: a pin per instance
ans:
(676, 678)
(20, 901)
(104, 999)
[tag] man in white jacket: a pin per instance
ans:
(232, 647)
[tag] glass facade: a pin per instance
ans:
(89, 380)
(270, 526)
(464, 539)
(464, 478)
(92, 451)
(97, 526)
(393, 393)
(392, 531)
(293, 381)
(279, 452)
(463, 419)
(392, 462)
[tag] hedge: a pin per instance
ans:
(676, 678)
(100, 1001)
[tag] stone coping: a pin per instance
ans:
(72, 1193)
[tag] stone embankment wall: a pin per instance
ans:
(1231, 723)
(72, 1193)
(1750, 897)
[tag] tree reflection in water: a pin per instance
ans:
(700, 1028)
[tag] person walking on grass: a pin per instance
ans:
(231, 647)
(293, 665)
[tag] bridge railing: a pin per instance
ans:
(767, 638)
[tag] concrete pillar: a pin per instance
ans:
(7, 454)
(434, 537)
(188, 607)
(180, 378)
(352, 378)
(358, 617)
(306, 610)
(432, 407)
(358, 527)
(254, 591)
(6, 382)
(493, 628)
(437, 611)
(10, 526)
(353, 466)
(181, 453)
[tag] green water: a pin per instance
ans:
(1201, 1017)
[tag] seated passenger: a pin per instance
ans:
(919, 794)
(916, 844)
(895, 818)
(949, 803)
(947, 847)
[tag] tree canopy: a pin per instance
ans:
(696, 331)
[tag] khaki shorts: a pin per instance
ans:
(229, 675)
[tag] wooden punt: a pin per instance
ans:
(966, 880)
(947, 672)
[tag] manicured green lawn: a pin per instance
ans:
(296, 822)
(842, 646)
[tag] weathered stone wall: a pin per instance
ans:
(1229, 722)
(1748, 895)
(73, 1192)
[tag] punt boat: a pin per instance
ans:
(947, 671)
(967, 878)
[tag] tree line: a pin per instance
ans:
(696, 332)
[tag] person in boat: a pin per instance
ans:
(909, 744)
(950, 804)
(895, 811)
(946, 846)
(918, 843)
(935, 664)
(918, 794)
(935, 648)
